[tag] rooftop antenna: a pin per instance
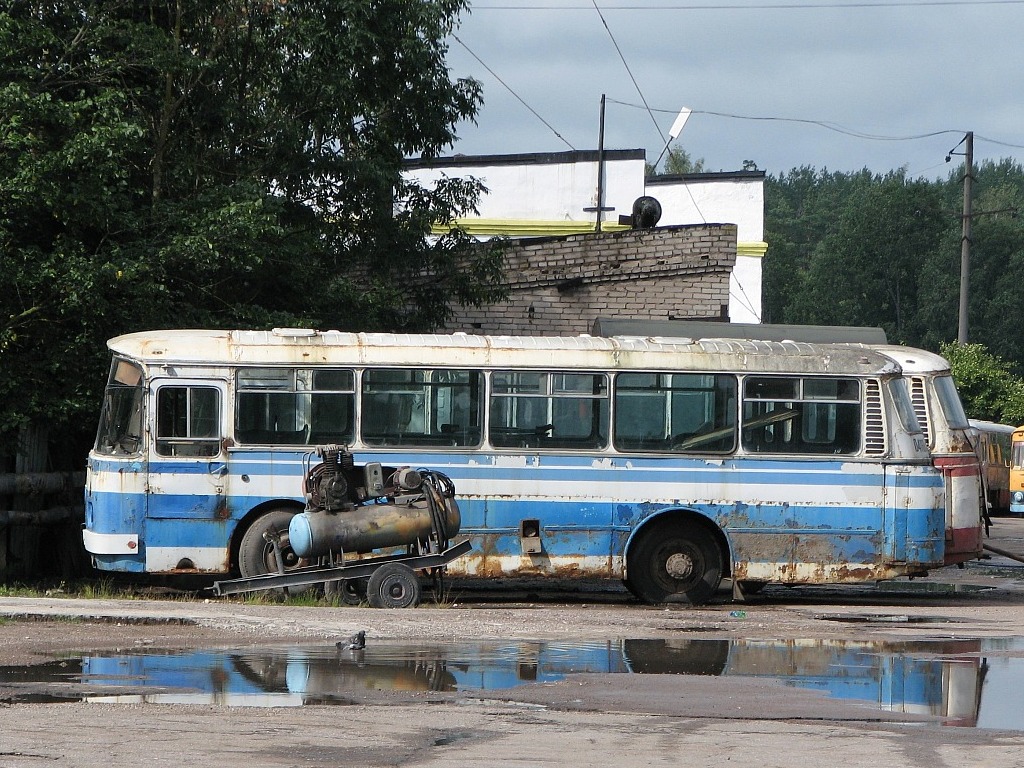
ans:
(674, 131)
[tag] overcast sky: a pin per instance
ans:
(782, 83)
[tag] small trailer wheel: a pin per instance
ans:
(346, 591)
(393, 585)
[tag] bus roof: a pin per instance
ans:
(913, 360)
(910, 359)
(700, 329)
(298, 346)
(991, 426)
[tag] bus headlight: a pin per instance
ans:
(1018, 497)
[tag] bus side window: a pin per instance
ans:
(678, 413)
(801, 415)
(421, 407)
(534, 409)
(294, 406)
(188, 421)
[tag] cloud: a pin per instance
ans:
(889, 71)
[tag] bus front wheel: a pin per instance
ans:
(675, 563)
(256, 555)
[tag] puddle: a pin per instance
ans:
(968, 682)
(897, 618)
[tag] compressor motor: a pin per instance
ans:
(352, 509)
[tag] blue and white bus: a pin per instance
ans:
(668, 463)
(952, 443)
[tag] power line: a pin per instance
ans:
(509, 89)
(999, 143)
(820, 123)
(626, 65)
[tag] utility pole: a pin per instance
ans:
(600, 168)
(965, 242)
(600, 208)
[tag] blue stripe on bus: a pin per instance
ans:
(292, 464)
(756, 473)
(108, 510)
(561, 521)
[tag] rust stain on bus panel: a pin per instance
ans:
(497, 555)
(221, 511)
(797, 558)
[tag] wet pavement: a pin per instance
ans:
(963, 682)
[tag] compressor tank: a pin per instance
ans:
(368, 527)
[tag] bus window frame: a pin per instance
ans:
(673, 441)
(544, 434)
(425, 393)
(189, 446)
(300, 386)
(778, 422)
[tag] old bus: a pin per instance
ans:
(668, 463)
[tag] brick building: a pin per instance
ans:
(573, 260)
(561, 285)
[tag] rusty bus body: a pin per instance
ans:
(668, 463)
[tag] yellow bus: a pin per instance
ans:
(1016, 480)
(992, 444)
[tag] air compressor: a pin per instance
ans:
(352, 509)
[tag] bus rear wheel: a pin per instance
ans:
(675, 563)
(256, 555)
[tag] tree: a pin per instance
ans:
(986, 383)
(866, 269)
(220, 163)
(800, 210)
(677, 162)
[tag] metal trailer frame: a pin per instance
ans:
(317, 574)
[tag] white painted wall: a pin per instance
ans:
(715, 200)
(721, 199)
(548, 191)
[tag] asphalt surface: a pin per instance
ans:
(578, 719)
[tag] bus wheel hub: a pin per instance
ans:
(679, 566)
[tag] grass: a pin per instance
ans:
(89, 589)
(107, 588)
(444, 596)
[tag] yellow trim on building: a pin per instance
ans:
(535, 228)
(756, 250)
(527, 227)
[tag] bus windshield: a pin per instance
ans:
(950, 402)
(120, 429)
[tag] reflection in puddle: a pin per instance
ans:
(967, 682)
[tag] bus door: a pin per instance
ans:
(186, 521)
(895, 531)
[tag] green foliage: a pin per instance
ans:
(677, 162)
(885, 250)
(987, 385)
(218, 164)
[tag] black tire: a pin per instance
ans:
(675, 563)
(393, 585)
(347, 591)
(256, 554)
